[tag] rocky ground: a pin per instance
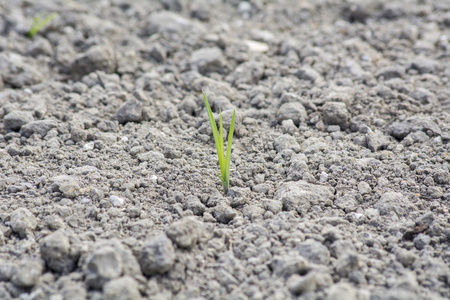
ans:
(340, 183)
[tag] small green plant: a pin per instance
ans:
(38, 24)
(224, 161)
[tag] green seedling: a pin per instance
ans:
(38, 24)
(224, 161)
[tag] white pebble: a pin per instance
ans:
(88, 146)
(116, 201)
(323, 177)
(154, 179)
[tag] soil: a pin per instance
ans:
(340, 183)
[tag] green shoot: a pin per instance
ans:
(224, 161)
(38, 24)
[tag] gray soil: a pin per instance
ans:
(340, 183)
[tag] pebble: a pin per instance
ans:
(286, 141)
(401, 128)
(347, 264)
(223, 213)
(405, 257)
(157, 255)
(169, 22)
(347, 202)
(390, 72)
(67, 185)
(301, 195)
(27, 272)
(421, 240)
(16, 119)
(108, 259)
(314, 251)
(292, 111)
(312, 281)
(23, 222)
(194, 204)
(17, 71)
(116, 201)
(122, 288)
(186, 232)
(336, 113)
(249, 72)
(99, 57)
(287, 265)
(342, 291)
(308, 74)
(40, 127)
(393, 202)
(364, 188)
(257, 47)
(61, 251)
(130, 111)
(207, 60)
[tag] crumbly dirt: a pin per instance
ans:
(340, 183)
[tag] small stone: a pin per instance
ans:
(158, 53)
(195, 205)
(61, 250)
(346, 264)
(123, 288)
(377, 140)
(255, 46)
(286, 141)
(262, 188)
(401, 128)
(23, 222)
(18, 71)
(78, 134)
(249, 72)
(186, 232)
(347, 202)
(421, 240)
(364, 188)
(310, 282)
(393, 202)
(292, 111)
(424, 65)
(108, 260)
(441, 176)
(308, 74)
(130, 111)
(336, 113)
(99, 57)
(405, 257)
(342, 291)
(435, 192)
(6, 271)
(390, 72)
(27, 273)
(16, 119)
(67, 185)
(341, 247)
(207, 60)
(301, 195)
(223, 213)
(157, 256)
(116, 201)
(287, 265)
(314, 251)
(169, 22)
(40, 127)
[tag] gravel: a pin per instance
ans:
(339, 176)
